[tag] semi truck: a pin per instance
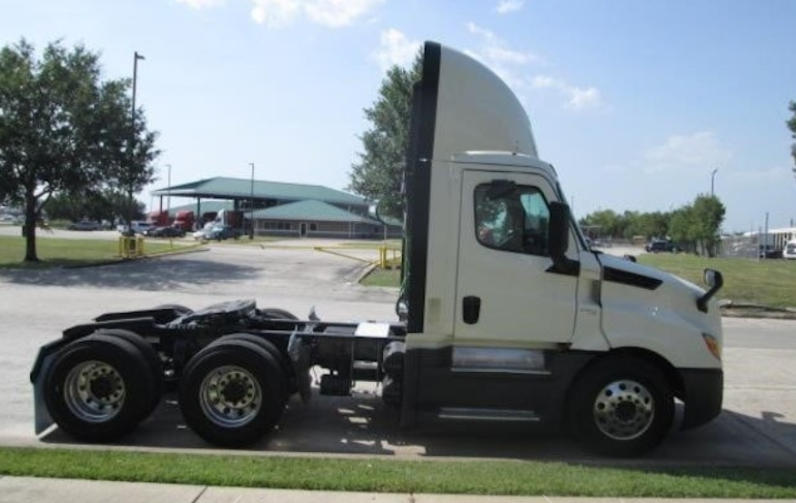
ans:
(505, 315)
(184, 219)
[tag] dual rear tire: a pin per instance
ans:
(102, 386)
(234, 391)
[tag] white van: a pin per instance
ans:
(139, 226)
(790, 250)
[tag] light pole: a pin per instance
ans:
(251, 205)
(131, 209)
(168, 196)
(712, 180)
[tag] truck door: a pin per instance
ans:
(505, 295)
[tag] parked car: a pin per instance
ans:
(202, 233)
(790, 250)
(164, 232)
(659, 245)
(85, 225)
(222, 232)
(138, 227)
(768, 251)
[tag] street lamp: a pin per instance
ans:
(168, 197)
(251, 205)
(131, 209)
(712, 180)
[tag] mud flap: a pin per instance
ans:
(47, 353)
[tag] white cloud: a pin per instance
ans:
(580, 99)
(337, 13)
(544, 82)
(506, 6)
(395, 49)
(577, 98)
(275, 13)
(202, 4)
(701, 149)
(278, 13)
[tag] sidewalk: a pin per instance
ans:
(42, 490)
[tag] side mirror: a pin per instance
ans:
(558, 239)
(715, 281)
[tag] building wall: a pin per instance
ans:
(346, 230)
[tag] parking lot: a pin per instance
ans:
(758, 426)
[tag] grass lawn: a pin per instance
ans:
(380, 475)
(383, 277)
(55, 252)
(770, 283)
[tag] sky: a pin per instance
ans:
(636, 103)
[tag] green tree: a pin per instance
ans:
(107, 205)
(708, 215)
(695, 227)
(682, 228)
(63, 129)
(604, 223)
(379, 173)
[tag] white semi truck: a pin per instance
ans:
(506, 316)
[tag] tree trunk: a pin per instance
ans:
(29, 231)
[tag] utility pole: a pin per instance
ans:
(131, 170)
(712, 180)
(168, 196)
(251, 205)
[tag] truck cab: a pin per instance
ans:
(511, 317)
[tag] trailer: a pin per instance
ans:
(505, 315)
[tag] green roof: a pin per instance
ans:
(240, 188)
(318, 211)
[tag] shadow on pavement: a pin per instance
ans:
(363, 425)
(158, 274)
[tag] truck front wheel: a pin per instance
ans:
(232, 393)
(621, 406)
(99, 388)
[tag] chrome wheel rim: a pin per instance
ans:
(230, 396)
(94, 391)
(624, 410)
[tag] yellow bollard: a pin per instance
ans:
(383, 257)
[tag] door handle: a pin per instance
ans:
(471, 309)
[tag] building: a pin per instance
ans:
(279, 209)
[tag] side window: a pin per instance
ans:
(511, 217)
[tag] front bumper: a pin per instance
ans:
(704, 392)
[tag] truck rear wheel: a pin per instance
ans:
(232, 393)
(621, 406)
(277, 357)
(150, 355)
(99, 388)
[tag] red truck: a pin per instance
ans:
(184, 220)
(158, 218)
